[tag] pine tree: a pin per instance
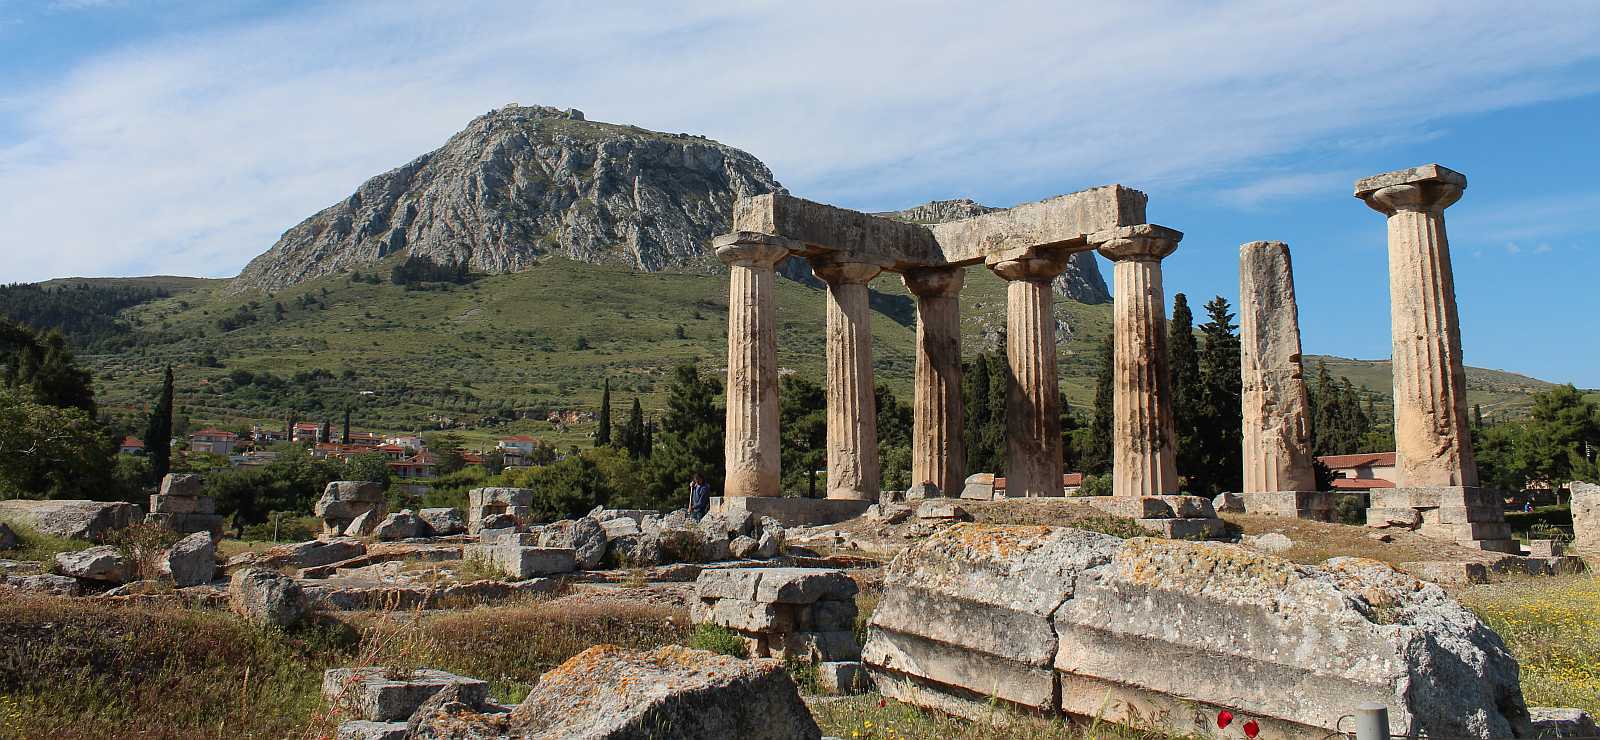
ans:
(1097, 459)
(691, 436)
(803, 426)
(602, 435)
(158, 431)
(1183, 362)
(1221, 463)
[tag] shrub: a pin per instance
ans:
(719, 640)
(1095, 485)
(144, 545)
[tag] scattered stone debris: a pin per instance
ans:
(267, 598)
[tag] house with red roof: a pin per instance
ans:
(215, 441)
(1362, 471)
(131, 446)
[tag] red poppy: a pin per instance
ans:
(1224, 718)
(883, 703)
(1251, 729)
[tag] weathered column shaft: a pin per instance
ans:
(1277, 437)
(1142, 437)
(853, 469)
(1432, 442)
(750, 443)
(1033, 394)
(938, 451)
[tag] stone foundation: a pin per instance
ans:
(519, 556)
(1465, 515)
(1312, 505)
(1174, 517)
(793, 512)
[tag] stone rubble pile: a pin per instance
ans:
(182, 506)
(383, 700)
(1065, 621)
(802, 614)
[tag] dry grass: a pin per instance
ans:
(35, 545)
(872, 716)
(1552, 626)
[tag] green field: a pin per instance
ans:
(496, 354)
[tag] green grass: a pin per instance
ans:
(871, 716)
(1552, 626)
(718, 639)
(35, 545)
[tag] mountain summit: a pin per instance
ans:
(522, 182)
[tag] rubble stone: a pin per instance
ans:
(73, 519)
(444, 521)
(267, 598)
(373, 695)
(46, 583)
(191, 561)
(101, 563)
(401, 525)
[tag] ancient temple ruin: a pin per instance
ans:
(1028, 246)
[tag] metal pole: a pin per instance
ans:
(1372, 722)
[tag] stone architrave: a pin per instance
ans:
(1432, 443)
(1143, 459)
(853, 469)
(751, 452)
(938, 451)
(1277, 438)
(1033, 396)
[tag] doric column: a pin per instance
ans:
(1430, 387)
(1033, 394)
(750, 442)
(853, 471)
(938, 453)
(1277, 438)
(1142, 434)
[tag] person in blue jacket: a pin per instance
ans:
(699, 497)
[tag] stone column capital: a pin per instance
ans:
(934, 282)
(753, 249)
(1426, 189)
(1137, 243)
(840, 272)
(1034, 266)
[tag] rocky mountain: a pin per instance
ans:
(1081, 281)
(523, 182)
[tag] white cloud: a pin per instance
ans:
(192, 152)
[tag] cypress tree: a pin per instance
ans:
(1097, 459)
(346, 438)
(602, 436)
(158, 431)
(1221, 463)
(1183, 362)
(633, 435)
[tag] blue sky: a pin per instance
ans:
(171, 136)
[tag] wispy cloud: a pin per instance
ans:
(192, 152)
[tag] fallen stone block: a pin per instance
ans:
(182, 485)
(619, 527)
(401, 525)
(46, 583)
(361, 729)
(942, 510)
(1448, 573)
(443, 521)
(267, 598)
(609, 692)
(308, 554)
(1185, 529)
(1270, 542)
(101, 563)
(73, 519)
(191, 561)
(380, 695)
(1231, 503)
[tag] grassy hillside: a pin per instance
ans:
(498, 353)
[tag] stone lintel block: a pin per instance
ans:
(376, 697)
(843, 677)
(1185, 529)
(529, 562)
(1404, 517)
(1448, 573)
(160, 504)
(943, 665)
(185, 485)
(825, 228)
(1409, 176)
(792, 512)
(744, 616)
(500, 496)
(1133, 507)
(1287, 503)
(495, 535)
(803, 585)
(1468, 531)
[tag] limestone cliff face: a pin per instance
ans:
(1081, 281)
(520, 183)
